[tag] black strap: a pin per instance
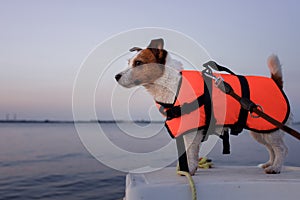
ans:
(210, 120)
(243, 115)
(163, 106)
(241, 123)
(226, 143)
(177, 111)
(182, 158)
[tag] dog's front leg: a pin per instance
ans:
(192, 144)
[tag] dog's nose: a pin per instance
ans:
(118, 76)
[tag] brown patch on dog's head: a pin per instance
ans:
(146, 66)
(157, 48)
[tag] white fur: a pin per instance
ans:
(192, 143)
(125, 81)
(274, 65)
(173, 63)
(274, 142)
(276, 148)
(164, 89)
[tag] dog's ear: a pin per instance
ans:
(135, 49)
(156, 44)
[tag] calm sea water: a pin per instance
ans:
(48, 161)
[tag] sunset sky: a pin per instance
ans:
(44, 43)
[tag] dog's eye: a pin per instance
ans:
(137, 63)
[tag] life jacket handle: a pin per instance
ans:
(213, 65)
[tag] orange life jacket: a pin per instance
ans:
(193, 95)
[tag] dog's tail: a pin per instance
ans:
(275, 69)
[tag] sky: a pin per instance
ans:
(44, 43)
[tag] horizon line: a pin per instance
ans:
(79, 121)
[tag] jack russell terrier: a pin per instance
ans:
(161, 75)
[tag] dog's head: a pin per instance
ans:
(146, 66)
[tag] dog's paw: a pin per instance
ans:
(265, 165)
(272, 170)
(192, 170)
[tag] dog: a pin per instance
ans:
(155, 69)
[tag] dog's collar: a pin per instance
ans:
(165, 105)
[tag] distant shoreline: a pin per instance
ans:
(86, 121)
(79, 121)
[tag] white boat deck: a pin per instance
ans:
(226, 183)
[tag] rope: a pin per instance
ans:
(204, 163)
(191, 182)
